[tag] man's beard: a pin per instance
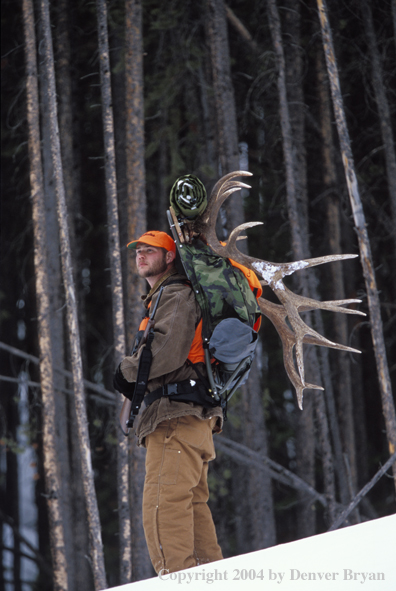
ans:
(156, 269)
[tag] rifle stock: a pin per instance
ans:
(124, 416)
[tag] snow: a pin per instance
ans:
(268, 270)
(292, 267)
(359, 557)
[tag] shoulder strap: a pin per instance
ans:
(144, 367)
(179, 282)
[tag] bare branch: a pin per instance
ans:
(109, 396)
(362, 493)
(242, 30)
(245, 455)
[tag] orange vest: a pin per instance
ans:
(196, 354)
(254, 284)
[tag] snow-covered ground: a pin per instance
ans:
(360, 557)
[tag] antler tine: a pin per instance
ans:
(278, 311)
(230, 247)
(304, 304)
(210, 214)
(333, 305)
(296, 338)
(290, 268)
(206, 223)
(306, 334)
(307, 304)
(272, 273)
(299, 334)
(277, 314)
(227, 177)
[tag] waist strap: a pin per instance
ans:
(185, 391)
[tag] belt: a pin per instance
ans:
(184, 391)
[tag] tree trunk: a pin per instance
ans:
(383, 110)
(56, 300)
(136, 226)
(305, 443)
(261, 532)
(258, 494)
(65, 101)
(89, 489)
(77, 542)
(257, 503)
(163, 168)
(71, 172)
(343, 365)
(136, 186)
(394, 19)
(11, 487)
(207, 122)
(227, 132)
(361, 230)
(292, 124)
(136, 189)
(43, 307)
(116, 289)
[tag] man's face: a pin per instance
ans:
(150, 260)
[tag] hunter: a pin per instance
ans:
(179, 418)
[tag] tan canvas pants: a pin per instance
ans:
(177, 521)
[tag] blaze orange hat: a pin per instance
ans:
(155, 238)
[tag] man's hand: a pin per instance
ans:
(122, 385)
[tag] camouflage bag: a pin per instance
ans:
(229, 313)
(221, 289)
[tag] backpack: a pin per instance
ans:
(227, 294)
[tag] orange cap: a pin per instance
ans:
(155, 238)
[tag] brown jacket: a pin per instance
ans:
(176, 319)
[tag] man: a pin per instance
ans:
(180, 417)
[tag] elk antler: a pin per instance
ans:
(272, 274)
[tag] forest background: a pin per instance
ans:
(145, 92)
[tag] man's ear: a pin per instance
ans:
(170, 256)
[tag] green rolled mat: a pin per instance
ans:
(188, 196)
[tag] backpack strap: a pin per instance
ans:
(144, 367)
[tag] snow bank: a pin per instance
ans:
(360, 557)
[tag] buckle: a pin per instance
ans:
(170, 389)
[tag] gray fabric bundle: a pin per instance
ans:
(232, 341)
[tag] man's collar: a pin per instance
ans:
(147, 298)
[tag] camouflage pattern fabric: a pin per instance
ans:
(222, 290)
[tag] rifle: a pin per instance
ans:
(130, 408)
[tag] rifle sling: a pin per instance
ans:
(141, 379)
